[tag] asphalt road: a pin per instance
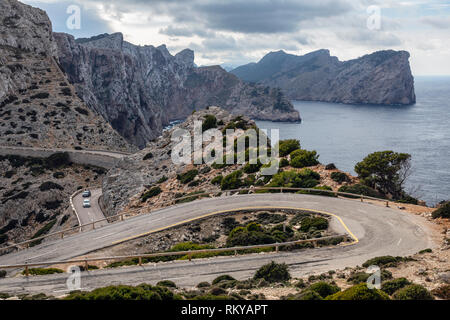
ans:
(94, 213)
(381, 231)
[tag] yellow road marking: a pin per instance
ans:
(238, 209)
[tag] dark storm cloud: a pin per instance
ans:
(251, 16)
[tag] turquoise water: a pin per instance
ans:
(345, 134)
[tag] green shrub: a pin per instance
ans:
(209, 122)
(203, 284)
(318, 223)
(151, 193)
(443, 211)
(339, 177)
(359, 292)
(360, 189)
(166, 283)
(287, 146)
(321, 191)
(273, 272)
(217, 180)
(224, 277)
(283, 162)
(2, 274)
(305, 295)
(425, 251)
(324, 289)
(57, 160)
(123, 292)
(393, 285)
(304, 158)
(413, 292)
(162, 179)
(358, 277)
(45, 229)
(148, 156)
(49, 185)
(266, 217)
(42, 271)
(306, 178)
(386, 261)
(58, 175)
(187, 176)
(232, 181)
(252, 168)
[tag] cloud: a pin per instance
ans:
(438, 22)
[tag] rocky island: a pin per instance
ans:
(382, 78)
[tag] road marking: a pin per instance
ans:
(106, 235)
(356, 240)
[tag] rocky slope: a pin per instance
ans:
(383, 77)
(139, 89)
(126, 185)
(38, 106)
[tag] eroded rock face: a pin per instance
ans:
(140, 89)
(38, 107)
(383, 77)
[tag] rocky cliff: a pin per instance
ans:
(38, 106)
(140, 89)
(383, 77)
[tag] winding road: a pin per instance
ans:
(94, 213)
(379, 230)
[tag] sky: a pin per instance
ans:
(232, 33)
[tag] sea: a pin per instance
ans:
(344, 134)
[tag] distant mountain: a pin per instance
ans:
(383, 77)
(140, 89)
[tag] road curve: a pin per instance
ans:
(94, 213)
(380, 230)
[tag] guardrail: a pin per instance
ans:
(121, 216)
(189, 253)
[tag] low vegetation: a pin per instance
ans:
(273, 272)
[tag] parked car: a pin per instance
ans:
(86, 203)
(86, 194)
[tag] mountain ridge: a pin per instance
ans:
(383, 77)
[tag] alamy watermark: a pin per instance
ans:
(373, 21)
(73, 22)
(235, 147)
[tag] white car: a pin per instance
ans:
(86, 203)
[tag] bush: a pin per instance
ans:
(252, 168)
(57, 160)
(306, 178)
(360, 189)
(82, 111)
(217, 180)
(123, 292)
(324, 289)
(203, 284)
(148, 156)
(339, 177)
(209, 122)
(284, 162)
(40, 95)
(359, 292)
(393, 285)
(413, 292)
(304, 158)
(330, 166)
(287, 146)
(224, 277)
(45, 229)
(443, 211)
(305, 295)
(232, 181)
(166, 283)
(49, 185)
(2, 274)
(43, 271)
(162, 179)
(187, 176)
(58, 175)
(273, 272)
(386, 261)
(153, 192)
(318, 223)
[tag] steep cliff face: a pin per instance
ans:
(139, 89)
(38, 106)
(383, 77)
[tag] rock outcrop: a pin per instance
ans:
(383, 77)
(38, 106)
(140, 89)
